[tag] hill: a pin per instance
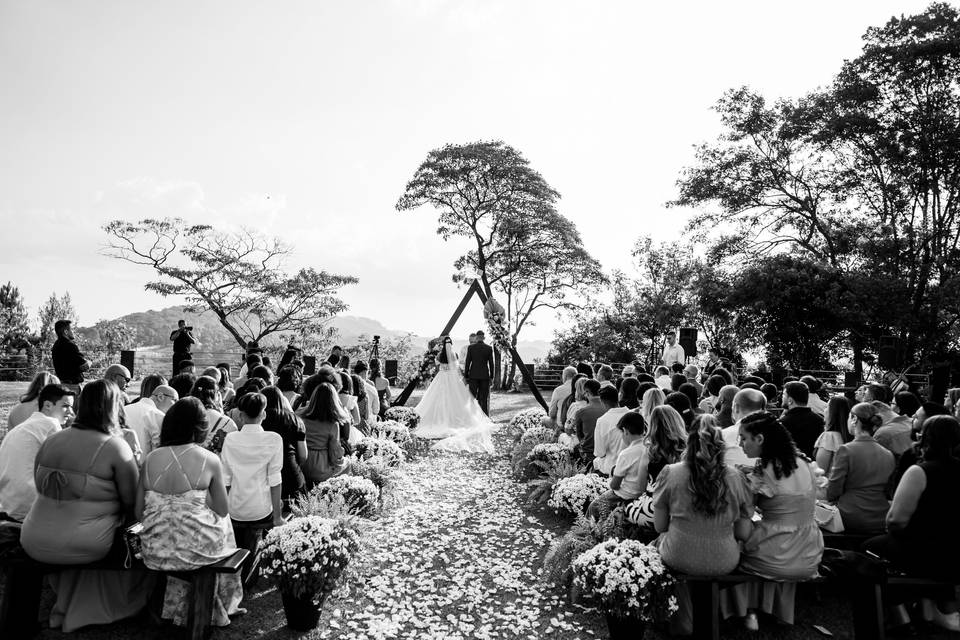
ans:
(154, 326)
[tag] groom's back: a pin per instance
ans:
(477, 355)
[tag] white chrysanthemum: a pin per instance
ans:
(387, 450)
(526, 420)
(574, 494)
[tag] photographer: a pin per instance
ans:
(182, 340)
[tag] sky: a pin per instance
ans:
(304, 120)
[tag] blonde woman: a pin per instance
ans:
(666, 439)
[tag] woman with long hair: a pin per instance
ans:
(702, 507)
(665, 441)
(86, 480)
(835, 433)
(564, 412)
(651, 399)
(282, 420)
(860, 474)
(289, 379)
(28, 401)
(206, 391)
(327, 427)
(226, 383)
(382, 385)
(786, 544)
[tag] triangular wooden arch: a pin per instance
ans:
(475, 289)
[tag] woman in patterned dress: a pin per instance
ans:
(182, 503)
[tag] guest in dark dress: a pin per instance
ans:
(294, 434)
(804, 425)
(923, 523)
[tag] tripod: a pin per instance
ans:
(374, 353)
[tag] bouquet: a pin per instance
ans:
(360, 494)
(526, 420)
(404, 415)
(389, 451)
(537, 435)
(391, 430)
(626, 579)
(306, 556)
(574, 494)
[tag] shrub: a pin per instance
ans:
(389, 451)
(360, 495)
(405, 415)
(391, 430)
(527, 419)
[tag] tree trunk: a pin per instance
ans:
(857, 355)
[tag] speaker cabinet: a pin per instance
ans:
(688, 340)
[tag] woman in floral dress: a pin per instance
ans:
(182, 503)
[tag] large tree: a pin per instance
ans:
(862, 177)
(14, 321)
(522, 249)
(239, 276)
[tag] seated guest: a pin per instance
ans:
(281, 420)
(324, 420)
(835, 433)
(120, 376)
(605, 376)
(370, 390)
(347, 398)
(896, 434)
(226, 382)
(786, 544)
(745, 403)
(814, 401)
(18, 450)
(701, 508)
(676, 380)
(681, 403)
(183, 384)
(205, 389)
(325, 373)
(629, 474)
(382, 385)
(263, 372)
(665, 441)
(711, 390)
(650, 400)
(860, 474)
(188, 367)
(182, 503)
(86, 481)
(952, 401)
(628, 371)
(585, 422)
(252, 464)
(289, 379)
(803, 425)
(607, 439)
(923, 523)
(693, 397)
(252, 360)
(252, 385)
(913, 455)
(143, 417)
(723, 411)
(692, 372)
(662, 378)
(771, 393)
(573, 403)
(28, 401)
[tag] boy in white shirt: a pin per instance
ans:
(628, 479)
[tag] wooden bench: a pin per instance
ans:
(20, 605)
(868, 607)
(845, 541)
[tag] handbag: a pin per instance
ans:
(133, 544)
(828, 517)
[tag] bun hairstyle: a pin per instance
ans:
(868, 416)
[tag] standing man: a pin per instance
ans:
(183, 341)
(672, 352)
(479, 368)
(463, 353)
(68, 363)
(334, 359)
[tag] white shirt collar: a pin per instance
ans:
(148, 402)
(252, 428)
(36, 415)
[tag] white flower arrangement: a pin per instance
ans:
(306, 556)
(391, 430)
(526, 420)
(538, 435)
(627, 579)
(548, 455)
(388, 450)
(360, 494)
(574, 494)
(404, 415)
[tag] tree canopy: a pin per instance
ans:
(239, 276)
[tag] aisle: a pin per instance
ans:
(458, 558)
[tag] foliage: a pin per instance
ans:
(575, 493)
(110, 336)
(525, 420)
(306, 556)
(392, 430)
(14, 320)
(861, 178)
(376, 469)
(543, 476)
(536, 435)
(55, 308)
(360, 496)
(386, 450)
(585, 533)
(238, 276)
(628, 579)
(404, 415)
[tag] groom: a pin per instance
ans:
(479, 368)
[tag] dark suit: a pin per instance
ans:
(804, 426)
(479, 369)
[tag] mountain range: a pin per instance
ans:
(153, 329)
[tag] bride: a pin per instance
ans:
(450, 413)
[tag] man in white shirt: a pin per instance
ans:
(561, 392)
(672, 352)
(144, 417)
(605, 376)
(746, 401)
(19, 448)
(607, 439)
(816, 404)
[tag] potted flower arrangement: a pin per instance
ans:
(628, 581)
(360, 494)
(404, 415)
(388, 450)
(305, 557)
(574, 494)
(392, 430)
(526, 420)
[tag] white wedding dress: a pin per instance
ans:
(450, 414)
